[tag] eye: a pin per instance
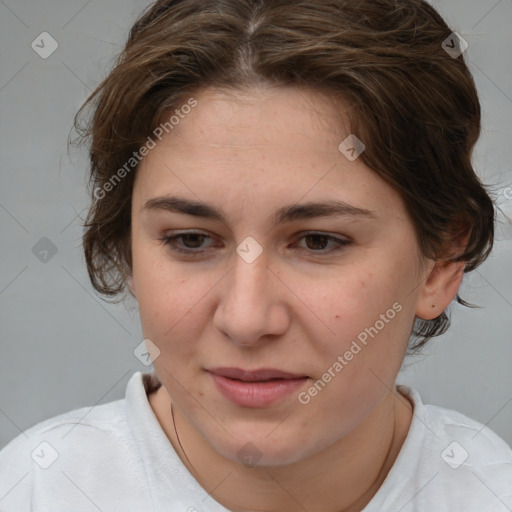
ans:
(317, 242)
(193, 242)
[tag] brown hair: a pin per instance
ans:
(413, 105)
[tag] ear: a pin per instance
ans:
(440, 288)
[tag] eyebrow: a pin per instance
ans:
(288, 213)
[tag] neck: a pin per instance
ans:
(358, 464)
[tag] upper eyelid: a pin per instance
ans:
(339, 239)
(297, 235)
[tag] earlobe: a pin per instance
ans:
(439, 289)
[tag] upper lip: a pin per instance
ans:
(254, 375)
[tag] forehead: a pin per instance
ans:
(245, 120)
(278, 141)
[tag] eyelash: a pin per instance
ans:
(170, 242)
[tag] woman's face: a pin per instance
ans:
(267, 287)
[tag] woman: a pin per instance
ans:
(286, 189)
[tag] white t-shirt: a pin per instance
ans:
(116, 457)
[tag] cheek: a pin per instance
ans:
(352, 302)
(159, 288)
(172, 301)
(369, 323)
(359, 363)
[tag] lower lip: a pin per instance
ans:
(256, 394)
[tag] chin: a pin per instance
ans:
(262, 450)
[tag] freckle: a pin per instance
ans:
(337, 316)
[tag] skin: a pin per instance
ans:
(294, 309)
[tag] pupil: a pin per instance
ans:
(192, 236)
(322, 237)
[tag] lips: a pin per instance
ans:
(255, 375)
(257, 388)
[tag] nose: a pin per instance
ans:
(252, 304)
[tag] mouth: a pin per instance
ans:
(258, 388)
(265, 374)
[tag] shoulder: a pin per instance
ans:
(465, 458)
(105, 418)
(89, 445)
(479, 445)
(43, 445)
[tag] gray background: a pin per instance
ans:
(62, 347)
